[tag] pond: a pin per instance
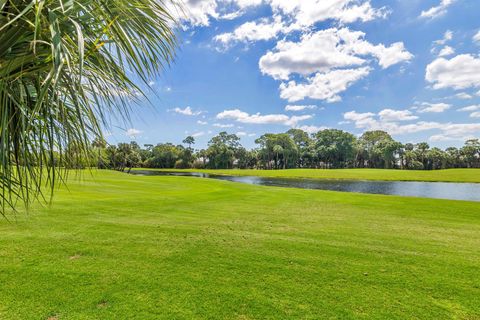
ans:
(437, 190)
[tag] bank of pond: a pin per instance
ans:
(435, 190)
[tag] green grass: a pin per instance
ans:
(450, 175)
(117, 246)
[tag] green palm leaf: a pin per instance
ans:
(65, 66)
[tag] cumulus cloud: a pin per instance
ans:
(323, 86)
(475, 114)
(202, 122)
(195, 12)
(263, 29)
(325, 50)
(426, 107)
(300, 107)
(446, 51)
(457, 132)
(328, 61)
(244, 117)
(186, 111)
(460, 72)
(309, 12)
(396, 115)
(470, 108)
(371, 121)
(319, 55)
(447, 36)
(132, 132)
(437, 11)
(301, 15)
(463, 96)
(448, 131)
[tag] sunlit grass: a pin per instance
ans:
(116, 246)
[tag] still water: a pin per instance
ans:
(438, 190)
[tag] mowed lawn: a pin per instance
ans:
(116, 246)
(449, 175)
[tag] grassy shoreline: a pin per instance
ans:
(448, 175)
(122, 246)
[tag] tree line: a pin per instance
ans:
(330, 148)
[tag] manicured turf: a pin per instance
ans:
(450, 175)
(118, 246)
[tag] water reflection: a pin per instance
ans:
(438, 190)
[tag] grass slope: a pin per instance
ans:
(450, 175)
(128, 247)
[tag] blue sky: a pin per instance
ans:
(409, 67)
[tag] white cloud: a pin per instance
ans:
(463, 96)
(132, 132)
(186, 111)
(446, 51)
(202, 122)
(325, 50)
(198, 134)
(396, 115)
(426, 107)
(323, 86)
(241, 133)
(476, 37)
(470, 108)
(460, 72)
(244, 117)
(231, 16)
(370, 121)
(300, 107)
(309, 12)
(475, 114)
(437, 11)
(447, 36)
(329, 61)
(457, 132)
(195, 12)
(264, 29)
(311, 129)
(220, 125)
(448, 131)
(303, 13)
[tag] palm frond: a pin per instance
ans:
(66, 65)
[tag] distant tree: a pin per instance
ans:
(304, 146)
(99, 144)
(335, 148)
(471, 153)
(436, 159)
(379, 148)
(277, 151)
(421, 150)
(189, 141)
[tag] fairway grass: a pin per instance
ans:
(449, 175)
(117, 246)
